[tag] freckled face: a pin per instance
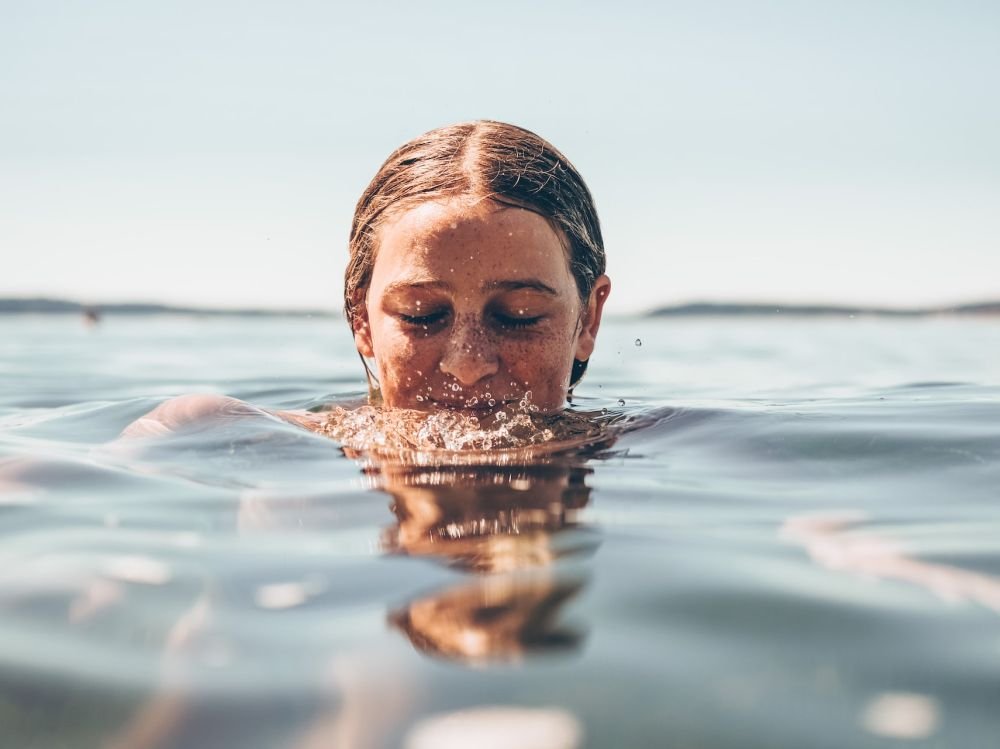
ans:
(474, 302)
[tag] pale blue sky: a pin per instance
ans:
(211, 152)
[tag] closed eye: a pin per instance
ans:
(424, 320)
(515, 323)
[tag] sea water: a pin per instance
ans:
(791, 538)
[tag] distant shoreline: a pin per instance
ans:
(713, 309)
(44, 306)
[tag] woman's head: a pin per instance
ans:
(476, 270)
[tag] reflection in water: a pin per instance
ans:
(832, 542)
(491, 619)
(507, 526)
(205, 659)
(498, 726)
(485, 518)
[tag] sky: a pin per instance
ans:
(211, 153)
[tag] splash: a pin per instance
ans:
(520, 429)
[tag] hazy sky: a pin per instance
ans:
(211, 152)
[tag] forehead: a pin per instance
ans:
(460, 240)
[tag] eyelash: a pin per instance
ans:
(516, 323)
(425, 320)
(505, 321)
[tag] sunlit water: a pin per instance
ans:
(788, 535)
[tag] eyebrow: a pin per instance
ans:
(408, 285)
(511, 284)
(517, 284)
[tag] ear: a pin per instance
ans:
(362, 330)
(591, 321)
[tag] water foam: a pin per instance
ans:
(517, 428)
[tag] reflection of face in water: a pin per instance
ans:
(491, 619)
(513, 527)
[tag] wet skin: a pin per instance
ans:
(472, 302)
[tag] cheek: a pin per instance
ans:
(403, 362)
(542, 365)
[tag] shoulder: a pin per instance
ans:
(189, 411)
(305, 419)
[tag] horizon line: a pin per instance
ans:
(56, 305)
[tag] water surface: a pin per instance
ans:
(795, 542)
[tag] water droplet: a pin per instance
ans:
(621, 401)
(638, 341)
(491, 402)
(420, 399)
(604, 412)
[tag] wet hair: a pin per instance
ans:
(487, 160)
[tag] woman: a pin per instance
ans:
(475, 281)
(476, 271)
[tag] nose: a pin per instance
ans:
(470, 355)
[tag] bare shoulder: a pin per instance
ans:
(187, 411)
(305, 419)
(199, 410)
